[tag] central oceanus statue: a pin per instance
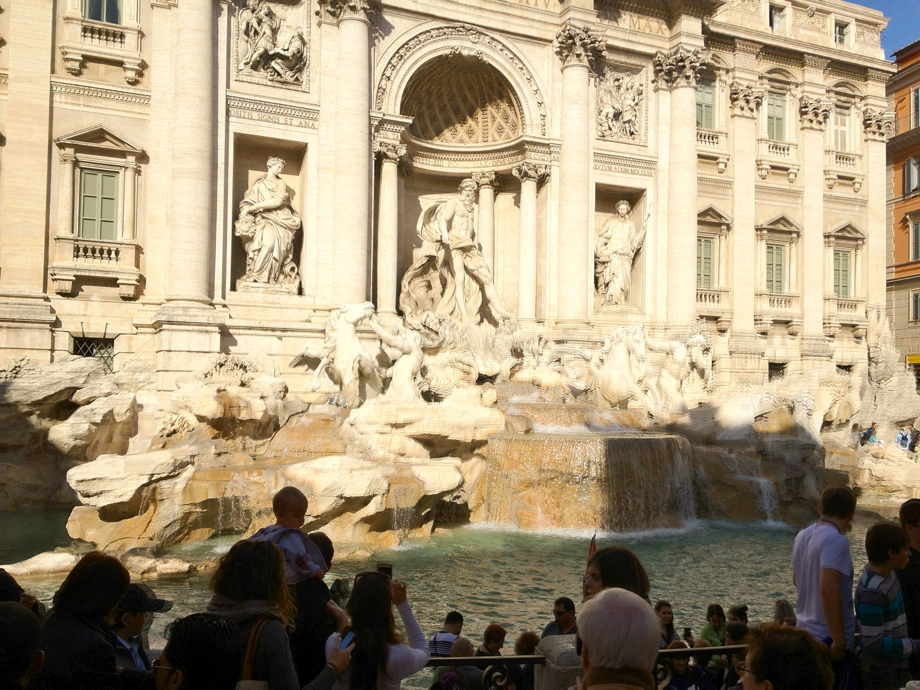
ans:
(452, 277)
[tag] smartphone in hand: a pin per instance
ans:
(347, 640)
(386, 569)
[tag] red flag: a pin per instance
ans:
(592, 549)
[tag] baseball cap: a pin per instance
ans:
(142, 598)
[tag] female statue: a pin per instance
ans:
(267, 225)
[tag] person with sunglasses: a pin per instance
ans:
(380, 660)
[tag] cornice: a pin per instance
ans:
(271, 111)
(80, 87)
(627, 165)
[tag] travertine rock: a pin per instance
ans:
(45, 563)
(105, 426)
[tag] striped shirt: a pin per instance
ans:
(440, 643)
(883, 620)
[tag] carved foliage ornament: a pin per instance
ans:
(530, 171)
(877, 124)
(619, 105)
(680, 67)
(348, 9)
(745, 99)
(484, 179)
(389, 151)
(579, 45)
(814, 112)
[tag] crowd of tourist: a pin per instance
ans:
(272, 623)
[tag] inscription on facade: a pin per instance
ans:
(633, 21)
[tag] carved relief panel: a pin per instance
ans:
(621, 104)
(271, 42)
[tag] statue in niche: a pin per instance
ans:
(614, 252)
(267, 226)
(457, 265)
(619, 99)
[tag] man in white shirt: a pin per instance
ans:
(823, 576)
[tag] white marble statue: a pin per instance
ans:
(258, 25)
(405, 382)
(267, 226)
(616, 370)
(463, 274)
(343, 361)
(691, 355)
(288, 63)
(614, 251)
(619, 104)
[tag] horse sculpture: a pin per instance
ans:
(343, 360)
(616, 370)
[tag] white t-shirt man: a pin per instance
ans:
(818, 547)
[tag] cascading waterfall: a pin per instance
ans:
(615, 482)
(402, 518)
(749, 470)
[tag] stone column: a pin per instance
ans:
(577, 48)
(328, 35)
(352, 176)
(529, 174)
(877, 127)
(65, 194)
(746, 101)
(191, 223)
(128, 223)
(814, 113)
(678, 71)
(388, 225)
(857, 271)
(485, 231)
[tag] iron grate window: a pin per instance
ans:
(102, 349)
(776, 371)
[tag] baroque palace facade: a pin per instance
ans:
(147, 218)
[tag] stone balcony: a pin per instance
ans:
(842, 165)
(784, 308)
(715, 303)
(777, 155)
(712, 145)
(100, 41)
(844, 312)
(96, 260)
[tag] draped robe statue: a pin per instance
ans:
(614, 251)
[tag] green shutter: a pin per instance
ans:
(776, 116)
(842, 274)
(775, 262)
(915, 311)
(98, 205)
(916, 95)
(915, 241)
(704, 247)
(704, 105)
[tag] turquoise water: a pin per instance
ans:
(493, 574)
(26, 533)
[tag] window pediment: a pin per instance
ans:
(712, 215)
(98, 139)
(845, 231)
(780, 225)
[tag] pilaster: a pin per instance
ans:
(577, 48)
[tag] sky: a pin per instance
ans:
(904, 26)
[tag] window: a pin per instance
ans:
(840, 33)
(776, 371)
(842, 129)
(915, 306)
(102, 349)
(704, 105)
(108, 11)
(911, 175)
(776, 260)
(98, 203)
(915, 100)
(776, 18)
(776, 116)
(915, 241)
(704, 254)
(842, 274)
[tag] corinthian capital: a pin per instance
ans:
(348, 9)
(814, 112)
(530, 171)
(484, 179)
(389, 151)
(679, 67)
(877, 125)
(745, 99)
(579, 46)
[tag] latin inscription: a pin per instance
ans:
(634, 22)
(272, 118)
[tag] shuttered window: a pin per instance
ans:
(98, 197)
(911, 175)
(704, 251)
(842, 129)
(842, 275)
(705, 115)
(915, 241)
(915, 98)
(776, 260)
(776, 116)
(915, 306)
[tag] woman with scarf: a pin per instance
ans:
(249, 591)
